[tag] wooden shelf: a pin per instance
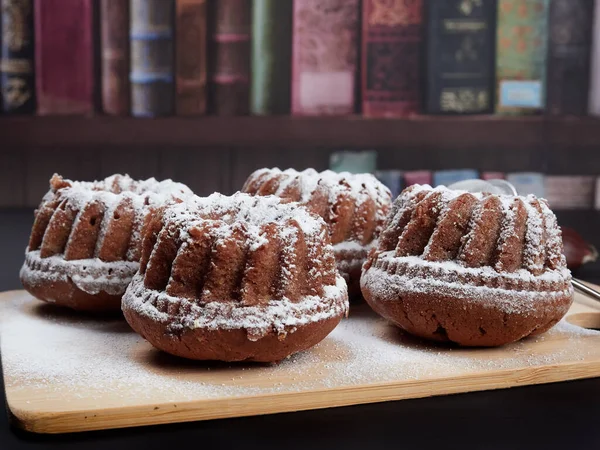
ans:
(483, 132)
(217, 153)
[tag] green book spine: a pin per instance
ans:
(271, 57)
(522, 48)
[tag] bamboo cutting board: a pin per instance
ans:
(65, 372)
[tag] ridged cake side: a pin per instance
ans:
(99, 219)
(473, 268)
(474, 230)
(86, 235)
(354, 206)
(237, 262)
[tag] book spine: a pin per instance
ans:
(229, 65)
(324, 57)
(521, 56)
(448, 177)
(114, 29)
(17, 78)
(392, 179)
(418, 177)
(271, 57)
(151, 73)
(190, 57)
(570, 192)
(493, 175)
(594, 100)
(391, 57)
(64, 56)
(527, 183)
(570, 44)
(460, 47)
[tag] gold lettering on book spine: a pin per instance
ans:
(394, 12)
(15, 92)
(464, 100)
(467, 6)
(15, 33)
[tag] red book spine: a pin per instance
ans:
(418, 177)
(324, 56)
(229, 67)
(64, 56)
(391, 59)
(190, 57)
(114, 18)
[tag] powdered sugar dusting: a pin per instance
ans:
(507, 230)
(277, 315)
(48, 351)
(251, 213)
(360, 188)
(534, 251)
(541, 243)
(114, 189)
(386, 286)
(90, 275)
(555, 245)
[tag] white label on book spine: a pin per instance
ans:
(521, 94)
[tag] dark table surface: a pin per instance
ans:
(556, 416)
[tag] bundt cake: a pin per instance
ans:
(235, 278)
(354, 206)
(473, 268)
(85, 243)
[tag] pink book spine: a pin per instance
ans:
(418, 177)
(324, 57)
(493, 176)
(594, 105)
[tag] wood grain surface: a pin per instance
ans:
(316, 379)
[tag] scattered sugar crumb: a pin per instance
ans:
(49, 350)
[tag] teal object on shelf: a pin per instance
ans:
(353, 162)
(270, 91)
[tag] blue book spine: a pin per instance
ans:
(448, 177)
(528, 183)
(392, 179)
(152, 58)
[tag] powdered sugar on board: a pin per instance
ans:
(56, 354)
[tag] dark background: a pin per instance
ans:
(217, 154)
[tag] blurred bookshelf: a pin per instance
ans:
(216, 153)
(440, 133)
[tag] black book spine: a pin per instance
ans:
(571, 25)
(460, 56)
(17, 78)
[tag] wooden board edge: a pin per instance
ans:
(6, 295)
(80, 421)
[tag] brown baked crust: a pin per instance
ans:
(65, 293)
(354, 207)
(235, 278)
(474, 269)
(468, 321)
(349, 264)
(229, 345)
(85, 242)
